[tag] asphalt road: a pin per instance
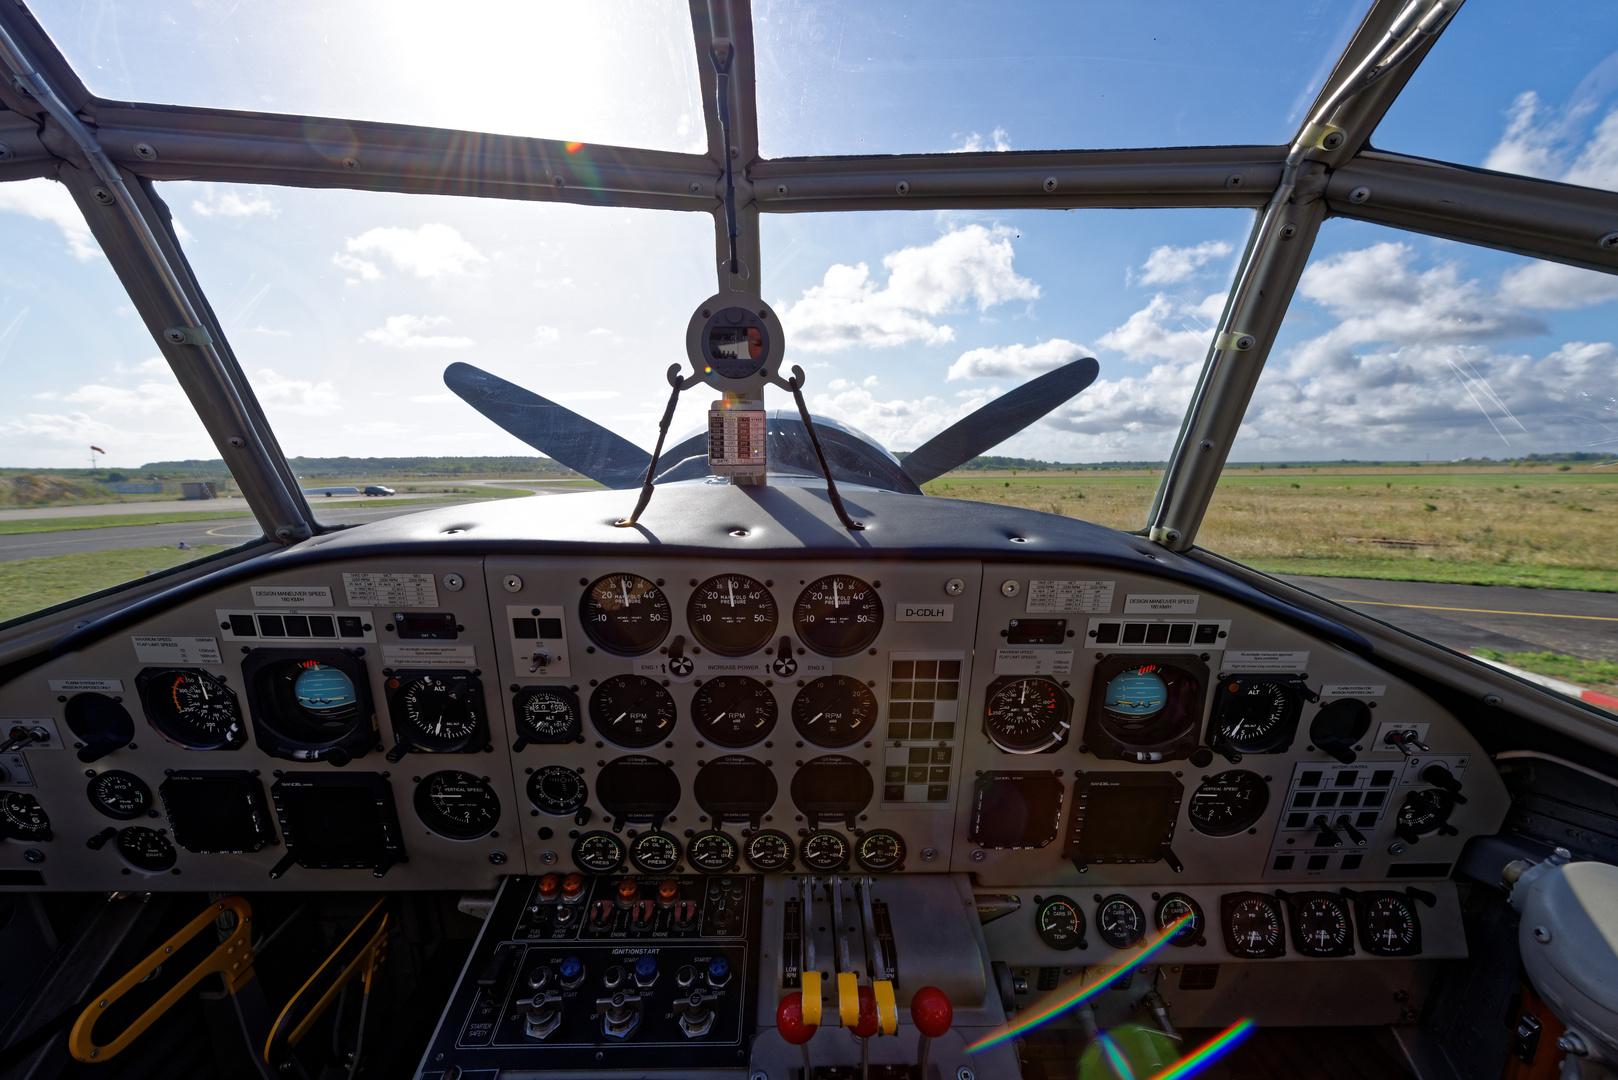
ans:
(1466, 617)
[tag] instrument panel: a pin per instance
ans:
(1132, 748)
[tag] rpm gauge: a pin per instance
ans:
(1252, 925)
(632, 710)
(457, 805)
(120, 795)
(734, 711)
(1320, 924)
(598, 853)
(1177, 905)
(712, 852)
(769, 851)
(834, 711)
(625, 614)
(22, 818)
(192, 708)
(1060, 923)
(547, 714)
(825, 851)
(147, 850)
(732, 615)
(1228, 803)
(1027, 715)
(557, 790)
(838, 615)
(654, 852)
(1254, 715)
(1120, 921)
(880, 851)
(438, 712)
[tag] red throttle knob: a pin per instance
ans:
(867, 1022)
(931, 1011)
(789, 1021)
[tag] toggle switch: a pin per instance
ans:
(1348, 827)
(1328, 836)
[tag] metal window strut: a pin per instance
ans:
(290, 522)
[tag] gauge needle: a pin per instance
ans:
(730, 592)
(620, 719)
(835, 602)
(625, 584)
(817, 716)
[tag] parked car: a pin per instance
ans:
(377, 489)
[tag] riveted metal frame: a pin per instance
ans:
(1329, 169)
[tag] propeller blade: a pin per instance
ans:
(999, 420)
(554, 430)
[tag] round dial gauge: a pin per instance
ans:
(1120, 921)
(1026, 716)
(732, 615)
(548, 714)
(834, 711)
(22, 818)
(193, 708)
(880, 851)
(1256, 715)
(1060, 922)
(1320, 925)
(439, 712)
(625, 614)
(734, 711)
(1136, 694)
(712, 852)
(1173, 906)
(825, 850)
(598, 853)
(838, 615)
(147, 850)
(1423, 811)
(654, 852)
(1389, 925)
(1228, 803)
(324, 691)
(632, 710)
(457, 805)
(1253, 927)
(557, 790)
(769, 851)
(119, 795)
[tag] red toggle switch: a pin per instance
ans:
(644, 911)
(789, 1022)
(932, 1014)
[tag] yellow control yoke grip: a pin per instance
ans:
(233, 960)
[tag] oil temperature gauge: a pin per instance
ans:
(654, 852)
(880, 851)
(825, 851)
(1120, 921)
(598, 853)
(769, 851)
(712, 852)
(22, 818)
(1060, 923)
(120, 795)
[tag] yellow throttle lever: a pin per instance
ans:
(233, 960)
(848, 999)
(887, 1009)
(359, 954)
(811, 999)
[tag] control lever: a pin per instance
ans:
(99, 840)
(401, 747)
(932, 1013)
(864, 1026)
(540, 660)
(1328, 836)
(790, 1022)
(1440, 777)
(544, 1008)
(21, 736)
(1353, 833)
(1406, 741)
(1160, 1012)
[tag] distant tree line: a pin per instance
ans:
(307, 467)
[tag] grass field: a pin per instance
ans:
(30, 584)
(1533, 526)
(1596, 674)
(103, 521)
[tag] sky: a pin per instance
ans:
(345, 307)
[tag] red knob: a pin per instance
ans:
(867, 1023)
(931, 1011)
(789, 1021)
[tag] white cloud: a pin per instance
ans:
(265, 330)
(546, 335)
(405, 332)
(233, 204)
(431, 251)
(47, 200)
(998, 140)
(295, 395)
(434, 399)
(366, 271)
(1016, 361)
(848, 308)
(1552, 286)
(1166, 265)
(584, 395)
(897, 424)
(143, 399)
(1167, 329)
(1549, 142)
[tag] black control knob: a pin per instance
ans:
(1339, 726)
(1328, 836)
(1440, 777)
(1348, 827)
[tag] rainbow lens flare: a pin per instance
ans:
(1209, 1052)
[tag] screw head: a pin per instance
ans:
(696, 188)
(978, 855)
(145, 151)
(902, 187)
(954, 587)
(929, 854)
(1542, 935)
(781, 190)
(1050, 183)
(1288, 231)
(454, 582)
(1359, 195)
(1492, 700)
(1206, 446)
(1234, 180)
(1010, 588)
(511, 583)
(1333, 140)
(6, 152)
(237, 441)
(102, 196)
(1608, 242)
(351, 164)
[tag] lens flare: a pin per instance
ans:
(1064, 999)
(1209, 1052)
(1115, 1058)
(574, 147)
